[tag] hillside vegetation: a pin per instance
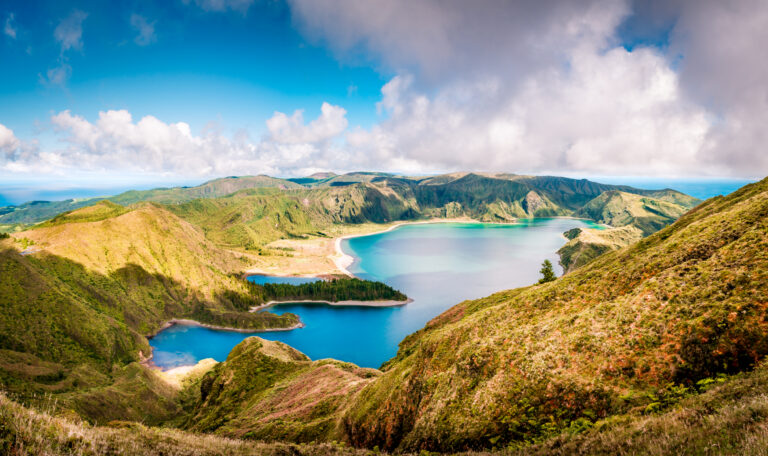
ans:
(584, 245)
(78, 303)
(24, 431)
(729, 418)
(251, 211)
(250, 219)
(650, 214)
(628, 331)
(211, 189)
(269, 391)
(23, 215)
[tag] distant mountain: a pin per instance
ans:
(380, 197)
(211, 189)
(37, 211)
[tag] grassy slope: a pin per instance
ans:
(80, 305)
(291, 209)
(158, 264)
(684, 304)
(269, 391)
(28, 432)
(36, 211)
(251, 218)
(650, 214)
(590, 243)
(100, 211)
(730, 418)
(211, 189)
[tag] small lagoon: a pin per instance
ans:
(437, 265)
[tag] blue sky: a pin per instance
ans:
(199, 67)
(138, 93)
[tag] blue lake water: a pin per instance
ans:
(437, 265)
(259, 279)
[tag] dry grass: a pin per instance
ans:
(28, 432)
(731, 419)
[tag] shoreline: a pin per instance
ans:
(147, 361)
(261, 272)
(342, 260)
(186, 321)
(350, 303)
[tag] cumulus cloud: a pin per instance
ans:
(534, 86)
(723, 67)
(9, 28)
(145, 30)
(292, 130)
(439, 40)
(8, 141)
(16, 155)
(609, 112)
(222, 5)
(117, 141)
(525, 86)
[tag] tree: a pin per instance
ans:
(547, 272)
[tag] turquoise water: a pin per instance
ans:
(259, 279)
(437, 265)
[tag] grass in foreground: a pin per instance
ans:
(28, 432)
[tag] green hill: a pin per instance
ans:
(272, 208)
(269, 391)
(30, 432)
(251, 218)
(649, 213)
(211, 189)
(26, 214)
(630, 331)
(78, 303)
(585, 245)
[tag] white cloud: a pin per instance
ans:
(8, 141)
(222, 5)
(292, 130)
(146, 30)
(9, 29)
(724, 68)
(14, 153)
(532, 86)
(69, 32)
(441, 40)
(523, 86)
(116, 141)
(611, 112)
